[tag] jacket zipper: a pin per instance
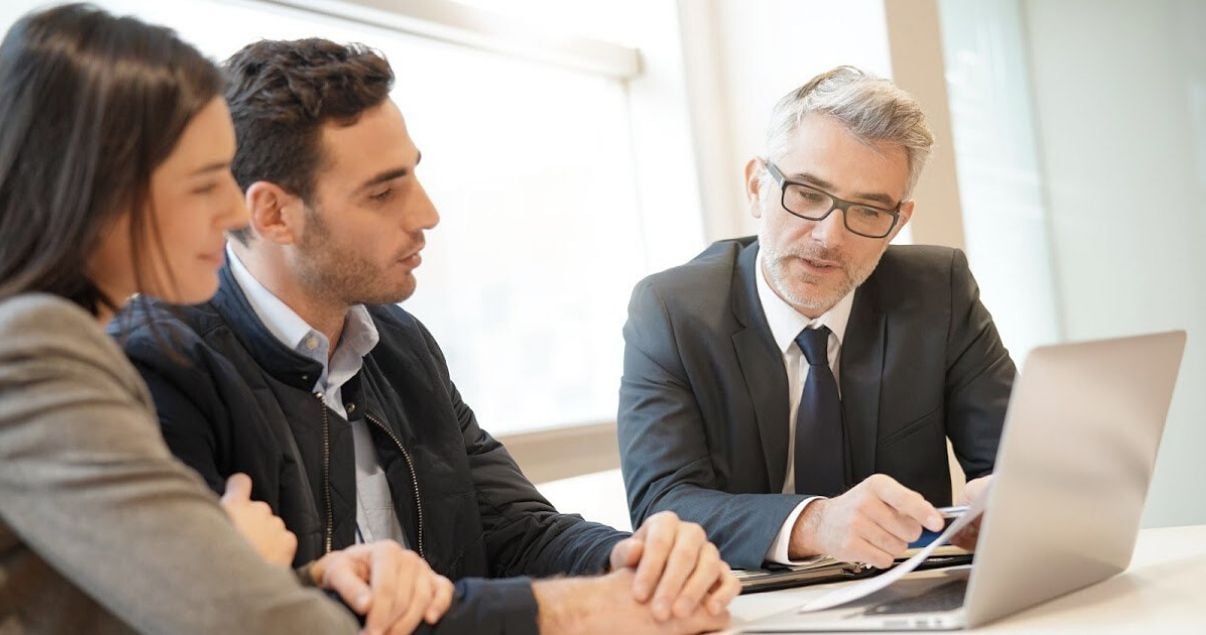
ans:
(326, 472)
(414, 479)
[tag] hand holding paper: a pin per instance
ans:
(850, 593)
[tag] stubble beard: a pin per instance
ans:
(342, 276)
(786, 283)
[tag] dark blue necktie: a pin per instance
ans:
(820, 455)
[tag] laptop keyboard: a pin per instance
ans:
(943, 597)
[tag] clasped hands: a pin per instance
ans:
(672, 577)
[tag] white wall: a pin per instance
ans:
(741, 57)
(1120, 99)
(996, 148)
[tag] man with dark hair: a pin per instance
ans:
(305, 374)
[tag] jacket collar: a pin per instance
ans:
(278, 360)
(862, 375)
(761, 365)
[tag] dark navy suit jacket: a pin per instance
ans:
(703, 418)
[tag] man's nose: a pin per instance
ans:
(832, 230)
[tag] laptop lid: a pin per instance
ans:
(1072, 472)
(1076, 458)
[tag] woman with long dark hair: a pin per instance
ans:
(115, 150)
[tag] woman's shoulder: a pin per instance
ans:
(42, 333)
(37, 313)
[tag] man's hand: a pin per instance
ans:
(972, 492)
(392, 586)
(873, 523)
(605, 605)
(255, 521)
(677, 567)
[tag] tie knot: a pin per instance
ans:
(815, 345)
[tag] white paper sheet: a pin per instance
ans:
(837, 597)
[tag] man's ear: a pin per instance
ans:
(753, 190)
(275, 214)
(906, 213)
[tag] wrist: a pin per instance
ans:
(804, 534)
(562, 605)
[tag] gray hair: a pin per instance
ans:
(871, 108)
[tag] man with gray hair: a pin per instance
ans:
(794, 392)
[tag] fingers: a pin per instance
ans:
(974, 490)
(902, 527)
(412, 607)
(238, 488)
(658, 533)
(905, 501)
(626, 553)
(345, 578)
(441, 599)
(726, 587)
(288, 546)
(883, 546)
(385, 581)
(968, 536)
(393, 587)
(684, 555)
(708, 569)
(862, 550)
(702, 622)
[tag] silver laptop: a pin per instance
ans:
(1072, 473)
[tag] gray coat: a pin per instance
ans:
(101, 530)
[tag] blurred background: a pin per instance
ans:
(575, 146)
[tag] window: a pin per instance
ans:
(525, 282)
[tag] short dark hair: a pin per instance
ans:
(282, 92)
(90, 105)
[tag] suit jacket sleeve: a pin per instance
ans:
(664, 445)
(524, 534)
(979, 376)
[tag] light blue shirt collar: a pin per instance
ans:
(359, 333)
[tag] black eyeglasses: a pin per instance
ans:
(811, 203)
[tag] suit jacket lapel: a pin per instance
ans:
(762, 367)
(861, 372)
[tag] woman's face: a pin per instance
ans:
(194, 200)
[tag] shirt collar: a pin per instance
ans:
(283, 322)
(786, 322)
(359, 332)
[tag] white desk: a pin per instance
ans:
(1163, 591)
(598, 497)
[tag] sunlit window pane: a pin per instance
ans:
(525, 281)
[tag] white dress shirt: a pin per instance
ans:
(785, 324)
(376, 518)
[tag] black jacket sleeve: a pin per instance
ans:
(185, 403)
(484, 607)
(524, 534)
